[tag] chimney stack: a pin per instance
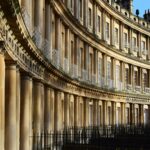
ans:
(147, 15)
(127, 4)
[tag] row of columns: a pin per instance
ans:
(43, 13)
(28, 106)
(58, 25)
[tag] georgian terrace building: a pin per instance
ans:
(67, 63)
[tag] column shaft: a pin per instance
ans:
(2, 100)
(95, 115)
(122, 113)
(86, 112)
(52, 106)
(58, 35)
(130, 41)
(48, 31)
(148, 47)
(18, 108)
(86, 13)
(37, 114)
(66, 110)
(114, 112)
(58, 124)
(105, 122)
(26, 90)
(47, 110)
(76, 111)
(112, 32)
(121, 37)
(103, 26)
(10, 108)
(94, 18)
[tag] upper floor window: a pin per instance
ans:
(145, 79)
(81, 9)
(107, 30)
(136, 78)
(134, 42)
(71, 4)
(90, 17)
(100, 66)
(116, 36)
(99, 24)
(127, 76)
(108, 70)
(117, 75)
(143, 45)
(125, 40)
(72, 52)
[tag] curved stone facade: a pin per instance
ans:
(66, 63)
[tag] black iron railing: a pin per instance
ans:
(106, 137)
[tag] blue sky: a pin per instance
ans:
(142, 5)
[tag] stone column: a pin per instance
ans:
(122, 74)
(95, 110)
(148, 48)
(96, 64)
(76, 55)
(2, 96)
(103, 25)
(67, 47)
(130, 41)
(113, 72)
(58, 111)
(37, 114)
(122, 113)
(27, 8)
(39, 20)
(66, 110)
(86, 13)
(10, 108)
(47, 110)
(140, 78)
(18, 108)
(141, 113)
(76, 111)
(94, 17)
(25, 112)
(42, 106)
(131, 72)
(86, 112)
(48, 28)
(105, 114)
(104, 69)
(77, 9)
(114, 113)
(139, 45)
(58, 37)
(86, 46)
(132, 113)
(71, 111)
(112, 37)
(121, 37)
(52, 107)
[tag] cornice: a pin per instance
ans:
(119, 16)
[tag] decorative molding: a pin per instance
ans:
(2, 47)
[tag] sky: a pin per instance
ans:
(142, 5)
